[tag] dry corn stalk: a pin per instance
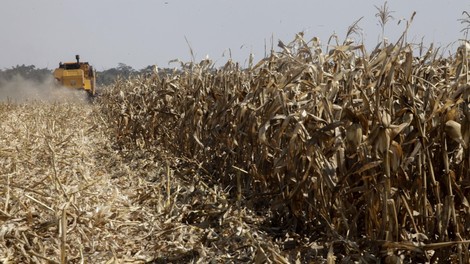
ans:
(339, 140)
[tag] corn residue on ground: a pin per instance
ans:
(66, 196)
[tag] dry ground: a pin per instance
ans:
(66, 195)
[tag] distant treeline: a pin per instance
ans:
(105, 77)
(26, 72)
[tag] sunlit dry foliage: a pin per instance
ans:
(367, 151)
(309, 155)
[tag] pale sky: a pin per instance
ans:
(146, 32)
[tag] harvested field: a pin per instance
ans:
(68, 196)
(307, 156)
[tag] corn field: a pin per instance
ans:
(367, 153)
(310, 155)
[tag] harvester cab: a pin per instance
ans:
(77, 75)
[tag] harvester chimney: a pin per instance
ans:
(78, 58)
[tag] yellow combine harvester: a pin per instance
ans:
(78, 75)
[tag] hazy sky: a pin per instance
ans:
(145, 32)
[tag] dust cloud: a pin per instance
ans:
(21, 90)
